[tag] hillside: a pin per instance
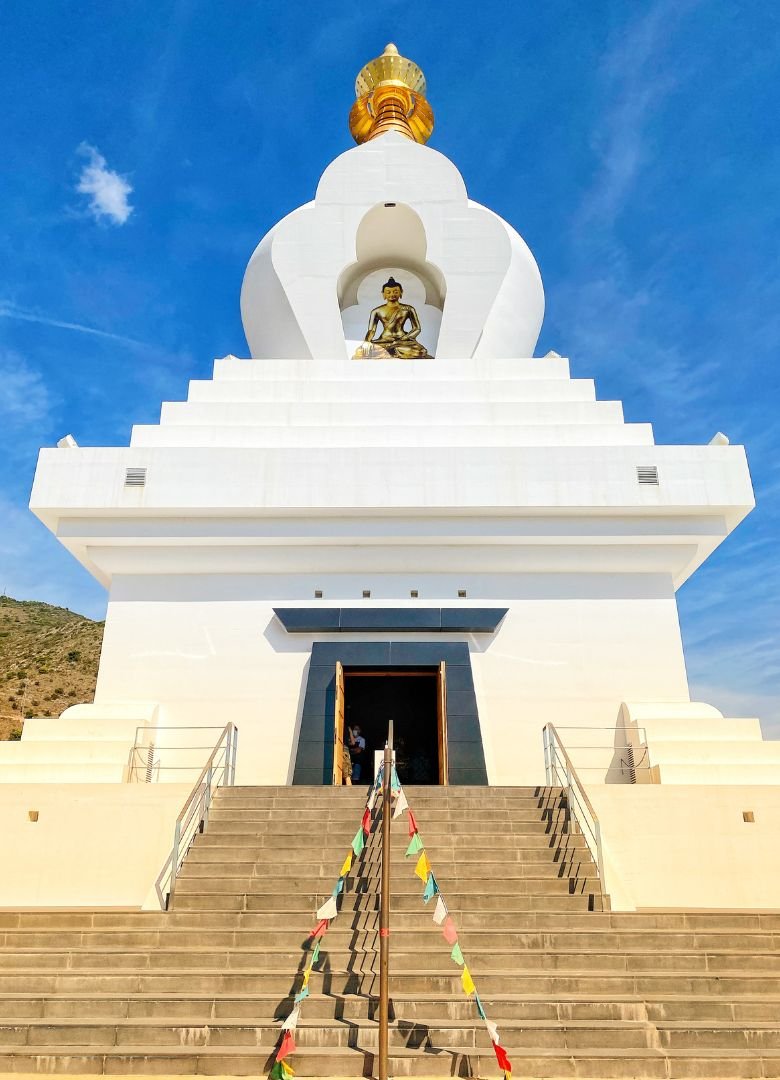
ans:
(48, 661)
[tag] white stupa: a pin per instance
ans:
(329, 512)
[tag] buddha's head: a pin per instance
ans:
(392, 290)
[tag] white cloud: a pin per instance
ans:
(108, 190)
(24, 398)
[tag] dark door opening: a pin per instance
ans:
(415, 699)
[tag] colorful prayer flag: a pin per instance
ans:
(291, 1023)
(466, 981)
(412, 823)
(338, 887)
(347, 865)
(423, 867)
(304, 993)
(503, 1061)
(449, 930)
(359, 842)
(306, 975)
(431, 888)
(401, 804)
(415, 845)
(492, 1030)
(329, 909)
(287, 1046)
(457, 955)
(480, 1007)
(319, 929)
(440, 914)
(281, 1071)
(366, 822)
(315, 954)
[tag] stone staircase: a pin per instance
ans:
(577, 991)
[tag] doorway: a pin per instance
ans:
(415, 698)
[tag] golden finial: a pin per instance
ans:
(390, 92)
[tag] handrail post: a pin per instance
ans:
(174, 859)
(384, 908)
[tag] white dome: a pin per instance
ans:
(476, 269)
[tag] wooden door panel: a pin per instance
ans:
(441, 711)
(338, 727)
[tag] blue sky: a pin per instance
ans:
(148, 147)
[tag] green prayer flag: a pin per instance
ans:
(316, 954)
(431, 888)
(415, 845)
(457, 955)
(359, 842)
(480, 1008)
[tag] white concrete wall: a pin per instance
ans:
(688, 846)
(571, 648)
(93, 845)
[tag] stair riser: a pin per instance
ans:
(343, 935)
(310, 901)
(164, 1062)
(225, 890)
(741, 925)
(265, 1037)
(542, 983)
(196, 1010)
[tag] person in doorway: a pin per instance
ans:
(357, 749)
(346, 767)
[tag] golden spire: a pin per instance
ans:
(390, 95)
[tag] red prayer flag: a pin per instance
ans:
(319, 929)
(503, 1061)
(449, 930)
(366, 821)
(288, 1046)
(412, 822)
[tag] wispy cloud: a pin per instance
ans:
(107, 190)
(9, 310)
(24, 398)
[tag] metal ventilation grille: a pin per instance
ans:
(135, 477)
(647, 474)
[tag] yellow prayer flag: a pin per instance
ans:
(306, 975)
(423, 867)
(467, 982)
(346, 867)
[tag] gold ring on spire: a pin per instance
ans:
(390, 93)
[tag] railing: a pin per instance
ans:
(608, 755)
(560, 772)
(220, 769)
(147, 765)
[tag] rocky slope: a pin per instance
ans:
(48, 661)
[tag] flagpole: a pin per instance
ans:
(384, 908)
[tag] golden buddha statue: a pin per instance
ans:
(395, 340)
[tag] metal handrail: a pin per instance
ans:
(555, 754)
(384, 908)
(142, 760)
(194, 814)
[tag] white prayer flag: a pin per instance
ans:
(492, 1030)
(329, 909)
(401, 805)
(291, 1022)
(440, 914)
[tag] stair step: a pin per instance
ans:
(340, 1061)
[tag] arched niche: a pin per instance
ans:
(390, 241)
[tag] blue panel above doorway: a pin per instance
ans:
(314, 756)
(463, 620)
